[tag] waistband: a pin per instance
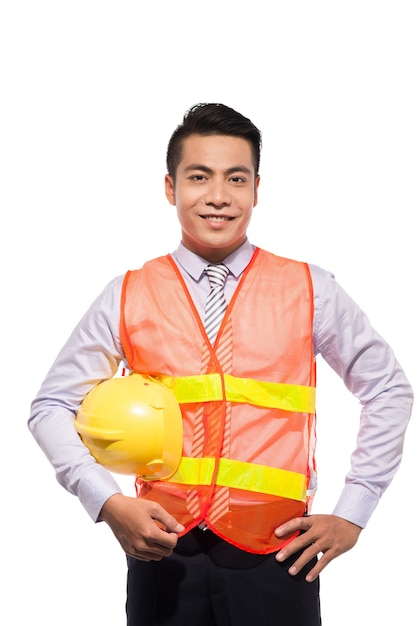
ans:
(224, 554)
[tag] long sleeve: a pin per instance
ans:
(366, 363)
(91, 354)
(343, 336)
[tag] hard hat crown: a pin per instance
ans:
(132, 425)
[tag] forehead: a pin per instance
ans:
(216, 152)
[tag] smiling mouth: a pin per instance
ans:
(217, 218)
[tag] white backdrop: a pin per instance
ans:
(91, 92)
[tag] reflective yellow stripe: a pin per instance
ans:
(208, 388)
(241, 475)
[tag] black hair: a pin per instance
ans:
(212, 119)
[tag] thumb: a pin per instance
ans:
(168, 522)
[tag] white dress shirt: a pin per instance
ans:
(342, 335)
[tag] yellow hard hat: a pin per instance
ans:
(132, 425)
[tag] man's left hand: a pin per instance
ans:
(324, 536)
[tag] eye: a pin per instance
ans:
(198, 177)
(238, 179)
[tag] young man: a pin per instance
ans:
(230, 538)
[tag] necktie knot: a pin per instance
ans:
(216, 302)
(217, 275)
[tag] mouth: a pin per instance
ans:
(217, 218)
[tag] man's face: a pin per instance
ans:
(215, 191)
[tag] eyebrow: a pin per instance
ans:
(208, 170)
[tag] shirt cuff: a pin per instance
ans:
(356, 504)
(95, 489)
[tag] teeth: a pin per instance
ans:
(217, 218)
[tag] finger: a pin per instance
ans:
(293, 525)
(299, 542)
(168, 522)
(315, 571)
(319, 566)
(151, 552)
(302, 544)
(319, 559)
(165, 543)
(309, 556)
(145, 556)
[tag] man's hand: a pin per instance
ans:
(322, 534)
(143, 528)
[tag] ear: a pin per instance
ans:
(256, 183)
(169, 189)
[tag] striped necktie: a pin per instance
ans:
(216, 302)
(215, 309)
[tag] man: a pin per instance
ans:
(241, 546)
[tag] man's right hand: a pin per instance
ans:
(143, 528)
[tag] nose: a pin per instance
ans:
(217, 195)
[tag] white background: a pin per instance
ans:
(90, 93)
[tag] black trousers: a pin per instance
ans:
(207, 582)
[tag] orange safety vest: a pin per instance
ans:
(271, 390)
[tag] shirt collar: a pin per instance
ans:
(195, 265)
